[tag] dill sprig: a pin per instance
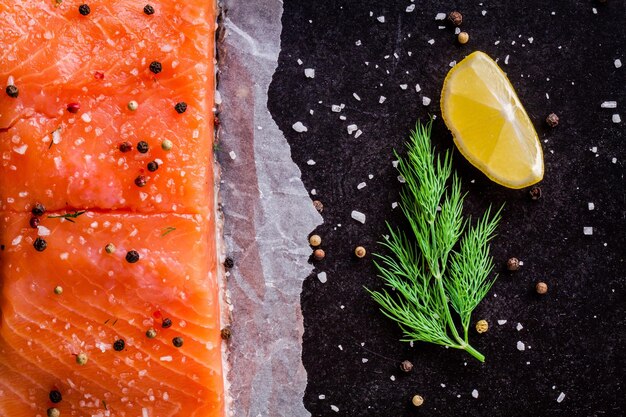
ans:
(68, 216)
(443, 261)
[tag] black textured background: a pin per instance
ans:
(574, 335)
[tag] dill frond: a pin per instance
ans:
(443, 260)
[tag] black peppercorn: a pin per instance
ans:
(535, 193)
(119, 345)
(55, 396)
(166, 323)
(141, 181)
(177, 341)
(148, 9)
(84, 9)
(12, 91)
(126, 146)
(34, 222)
(132, 256)
(40, 245)
(38, 210)
(156, 67)
(226, 333)
(229, 262)
(181, 107)
(552, 120)
(456, 18)
(142, 147)
(153, 166)
(406, 366)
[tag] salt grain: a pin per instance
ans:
(361, 186)
(232, 155)
(382, 99)
(404, 86)
(616, 118)
(561, 397)
(588, 230)
(356, 96)
(519, 327)
(521, 346)
(309, 72)
(335, 108)
(358, 133)
(475, 393)
(506, 60)
(352, 128)
(358, 216)
(310, 162)
(410, 8)
(431, 41)
(591, 206)
(426, 101)
(322, 397)
(440, 16)
(364, 360)
(618, 63)
(381, 19)
(501, 322)
(609, 105)
(322, 277)
(418, 88)
(299, 127)
(334, 408)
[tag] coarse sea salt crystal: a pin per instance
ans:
(352, 128)
(358, 216)
(382, 99)
(501, 322)
(43, 231)
(20, 149)
(356, 96)
(309, 72)
(431, 41)
(618, 63)
(334, 408)
(520, 345)
(591, 206)
(440, 16)
(519, 327)
(561, 397)
(410, 8)
(299, 127)
(310, 162)
(616, 118)
(588, 230)
(335, 108)
(381, 19)
(358, 133)
(609, 104)
(475, 393)
(364, 360)
(426, 100)
(361, 185)
(86, 117)
(144, 412)
(322, 277)
(17, 240)
(418, 88)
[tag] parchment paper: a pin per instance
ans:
(267, 218)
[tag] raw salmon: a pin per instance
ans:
(109, 298)
(55, 57)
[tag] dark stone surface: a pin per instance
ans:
(575, 334)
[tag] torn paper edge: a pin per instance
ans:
(267, 218)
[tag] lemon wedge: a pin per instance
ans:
(489, 123)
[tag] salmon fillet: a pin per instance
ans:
(109, 298)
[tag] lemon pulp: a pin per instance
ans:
(489, 124)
